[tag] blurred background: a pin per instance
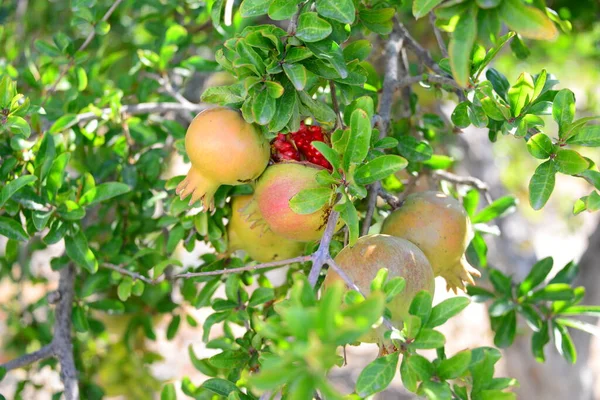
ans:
(526, 235)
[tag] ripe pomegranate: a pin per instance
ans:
(439, 226)
(260, 244)
(400, 257)
(297, 146)
(275, 188)
(224, 150)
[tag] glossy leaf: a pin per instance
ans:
(461, 44)
(527, 21)
(377, 375)
(339, 10)
(379, 168)
(541, 185)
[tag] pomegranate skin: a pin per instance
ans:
(224, 150)
(260, 244)
(440, 227)
(401, 257)
(275, 188)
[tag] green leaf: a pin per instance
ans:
(12, 229)
(553, 292)
(564, 343)
(168, 392)
(501, 307)
(505, 333)
(47, 48)
(280, 10)
(220, 386)
(497, 209)
(77, 249)
(312, 28)
(260, 296)
(223, 95)
(477, 116)
(409, 377)
(330, 155)
(359, 140)
(103, 192)
(274, 89)
(358, 50)
(229, 359)
(460, 115)
(455, 366)
(377, 376)
(339, 10)
(592, 310)
(538, 341)
(461, 44)
(541, 185)
(500, 43)
(588, 136)
(435, 390)
(14, 186)
(420, 366)
(421, 305)
(173, 327)
(563, 110)
(102, 28)
(446, 310)
(529, 22)
(124, 289)
(423, 7)
(378, 20)
(570, 162)
(538, 273)
(297, 74)
(540, 146)
(414, 150)
(496, 395)
(18, 125)
(79, 319)
(263, 107)
(254, 8)
(428, 339)
(520, 94)
(321, 111)
(379, 168)
(63, 123)
(349, 215)
(531, 316)
(309, 201)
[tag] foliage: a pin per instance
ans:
(95, 107)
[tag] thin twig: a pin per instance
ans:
(438, 35)
(165, 82)
(441, 80)
(255, 267)
(336, 106)
(291, 30)
(84, 45)
(416, 48)
(132, 274)
(320, 257)
(412, 181)
(30, 358)
(392, 200)
(371, 205)
(464, 180)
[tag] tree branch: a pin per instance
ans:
(24, 360)
(321, 256)
(142, 108)
(62, 343)
(255, 267)
(416, 47)
(464, 180)
(132, 274)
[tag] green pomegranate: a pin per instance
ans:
(440, 227)
(402, 258)
(260, 244)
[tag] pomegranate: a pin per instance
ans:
(260, 244)
(224, 150)
(402, 258)
(275, 188)
(297, 146)
(439, 226)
